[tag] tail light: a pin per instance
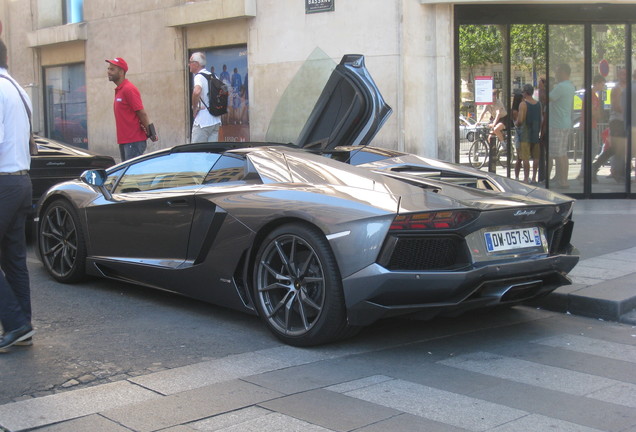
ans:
(441, 220)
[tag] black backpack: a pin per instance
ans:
(217, 96)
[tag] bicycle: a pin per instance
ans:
(479, 151)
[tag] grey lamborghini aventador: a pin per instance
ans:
(317, 238)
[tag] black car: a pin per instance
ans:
(57, 162)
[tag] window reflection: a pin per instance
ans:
(65, 99)
(227, 169)
(59, 12)
(167, 171)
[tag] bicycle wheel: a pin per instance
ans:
(503, 158)
(478, 154)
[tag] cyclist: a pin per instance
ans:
(498, 116)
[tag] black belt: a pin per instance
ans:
(21, 172)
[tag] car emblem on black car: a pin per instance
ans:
(524, 212)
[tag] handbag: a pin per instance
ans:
(33, 146)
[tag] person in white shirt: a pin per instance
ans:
(206, 126)
(15, 196)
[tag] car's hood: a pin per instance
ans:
(350, 110)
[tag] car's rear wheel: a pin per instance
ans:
(61, 242)
(297, 287)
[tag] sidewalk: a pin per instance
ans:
(276, 388)
(604, 280)
(603, 287)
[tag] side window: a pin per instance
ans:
(111, 180)
(167, 171)
(227, 169)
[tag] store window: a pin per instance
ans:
(65, 104)
(579, 66)
(229, 64)
(59, 12)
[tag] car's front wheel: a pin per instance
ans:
(61, 242)
(297, 287)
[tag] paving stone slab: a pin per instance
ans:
(535, 422)
(230, 419)
(591, 413)
(92, 423)
(438, 405)
(410, 423)
(331, 410)
(64, 406)
(308, 377)
(190, 405)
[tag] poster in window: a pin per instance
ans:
(229, 64)
(483, 90)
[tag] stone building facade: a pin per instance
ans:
(407, 45)
(57, 50)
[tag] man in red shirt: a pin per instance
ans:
(131, 120)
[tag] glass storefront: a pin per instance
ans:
(229, 64)
(65, 104)
(576, 65)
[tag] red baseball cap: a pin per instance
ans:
(118, 61)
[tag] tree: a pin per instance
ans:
(528, 42)
(479, 45)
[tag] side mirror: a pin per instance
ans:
(94, 177)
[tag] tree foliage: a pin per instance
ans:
(479, 45)
(528, 42)
(608, 42)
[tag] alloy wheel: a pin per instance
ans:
(291, 285)
(59, 241)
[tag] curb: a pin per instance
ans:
(612, 300)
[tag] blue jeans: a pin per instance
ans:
(15, 292)
(131, 150)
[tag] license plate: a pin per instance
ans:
(504, 240)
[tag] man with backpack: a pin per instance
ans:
(206, 126)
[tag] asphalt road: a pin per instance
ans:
(101, 330)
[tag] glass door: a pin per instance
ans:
(566, 75)
(528, 78)
(581, 68)
(608, 127)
